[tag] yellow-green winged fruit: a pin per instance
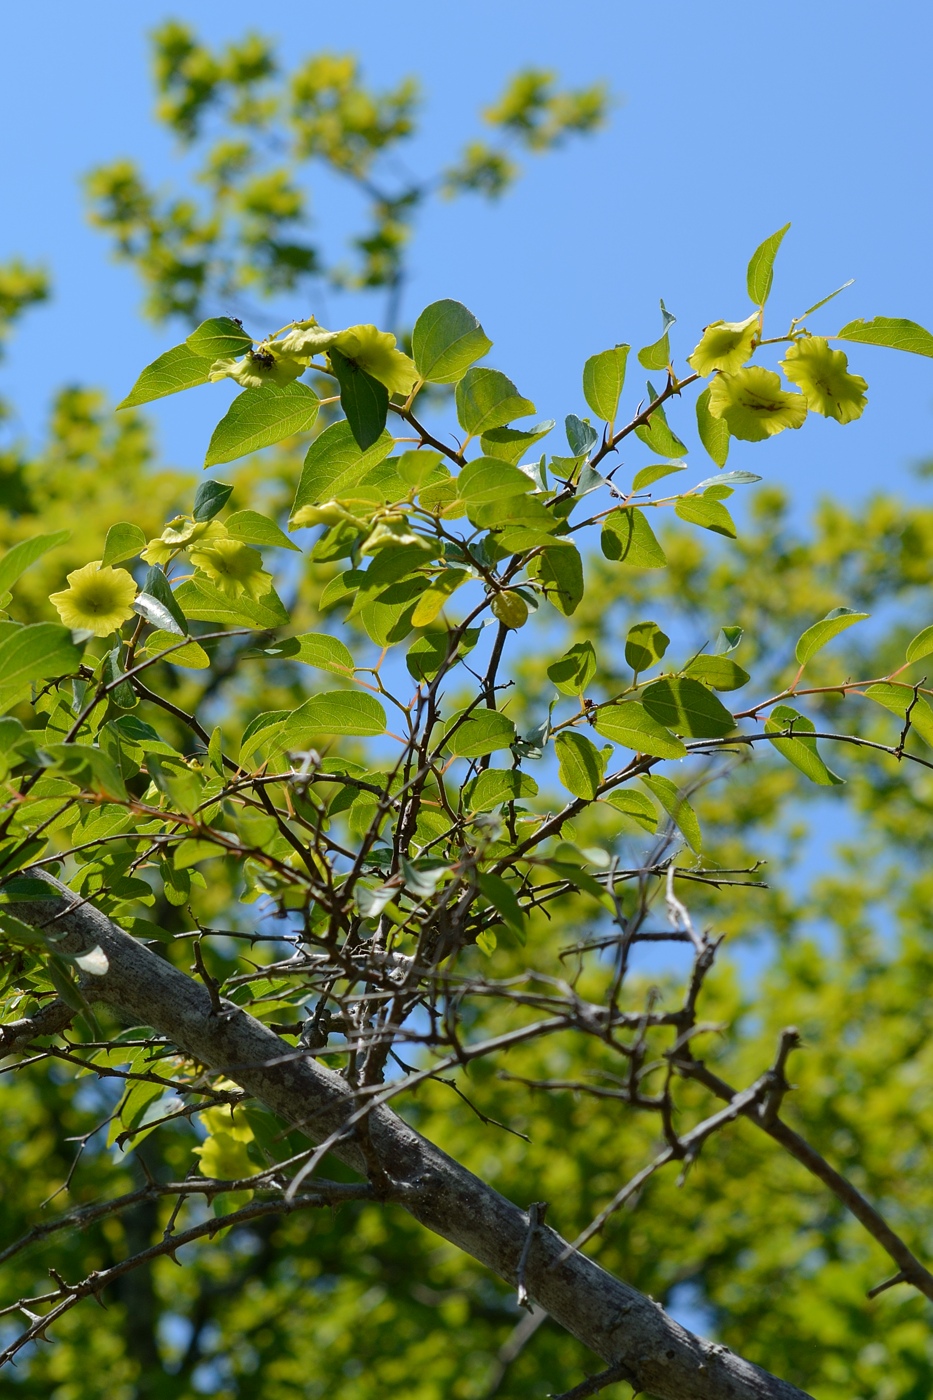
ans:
(510, 608)
(823, 375)
(374, 351)
(725, 346)
(753, 405)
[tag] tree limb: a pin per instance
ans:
(625, 1328)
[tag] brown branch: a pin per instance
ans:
(865, 1213)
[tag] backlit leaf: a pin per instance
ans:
(710, 514)
(891, 332)
(630, 724)
(714, 432)
(677, 808)
(258, 418)
(761, 267)
(800, 749)
(922, 645)
(482, 732)
(487, 399)
(124, 541)
(687, 707)
(644, 645)
(603, 379)
(446, 340)
(581, 765)
(335, 464)
(816, 637)
(573, 672)
(205, 603)
(494, 786)
(334, 712)
(36, 652)
(219, 338)
(252, 528)
(627, 537)
(177, 369)
(901, 698)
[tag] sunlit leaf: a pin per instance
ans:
(799, 748)
(816, 637)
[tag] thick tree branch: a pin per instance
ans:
(626, 1329)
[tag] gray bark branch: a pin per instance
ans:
(628, 1330)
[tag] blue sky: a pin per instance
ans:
(730, 120)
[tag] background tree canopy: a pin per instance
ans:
(490, 788)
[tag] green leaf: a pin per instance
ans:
(177, 369)
(18, 559)
(140, 1094)
(190, 852)
(122, 695)
(335, 464)
(487, 399)
(218, 339)
(313, 649)
(656, 472)
(157, 586)
(334, 712)
(33, 653)
(800, 750)
(427, 655)
(433, 599)
(657, 436)
(891, 332)
(205, 603)
(603, 379)
(482, 732)
(922, 645)
(511, 444)
(816, 637)
(494, 786)
(503, 899)
(575, 669)
(211, 497)
(658, 355)
(677, 808)
(486, 481)
(638, 808)
(761, 267)
(191, 655)
(258, 418)
(446, 340)
(688, 708)
(644, 645)
(124, 541)
(363, 399)
(718, 672)
(714, 432)
(711, 514)
(629, 724)
(581, 765)
(250, 527)
(560, 571)
(627, 537)
(899, 699)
